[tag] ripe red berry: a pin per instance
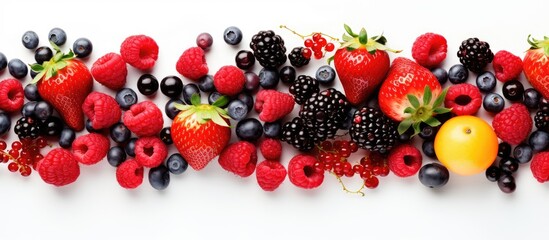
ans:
(13, 167)
(319, 55)
(371, 182)
(306, 53)
(308, 43)
(316, 37)
(329, 47)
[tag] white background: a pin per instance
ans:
(214, 204)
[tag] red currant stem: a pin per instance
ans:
(7, 154)
(305, 36)
(359, 191)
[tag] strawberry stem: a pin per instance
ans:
(536, 44)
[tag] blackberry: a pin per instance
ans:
(303, 88)
(296, 58)
(297, 134)
(475, 54)
(268, 49)
(373, 131)
(27, 127)
(542, 120)
(324, 113)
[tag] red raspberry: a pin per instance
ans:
(229, 80)
(429, 50)
(513, 124)
(129, 174)
(12, 95)
(150, 151)
(273, 105)
(110, 70)
(102, 110)
(90, 148)
(302, 172)
(144, 119)
(59, 167)
(239, 158)
(507, 66)
(271, 149)
(540, 166)
(192, 64)
(140, 51)
(405, 160)
(270, 175)
(464, 99)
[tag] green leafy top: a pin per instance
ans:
(423, 111)
(205, 112)
(535, 44)
(50, 68)
(353, 41)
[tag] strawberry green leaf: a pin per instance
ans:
(433, 122)
(330, 59)
(346, 38)
(427, 95)
(217, 119)
(409, 110)
(440, 98)
(38, 76)
(223, 100)
(416, 128)
(182, 107)
(349, 31)
(60, 64)
(186, 113)
(380, 39)
(363, 36)
(49, 74)
(441, 110)
(413, 100)
(55, 47)
(36, 67)
(195, 99)
(404, 125)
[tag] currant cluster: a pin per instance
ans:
(23, 154)
(318, 45)
(332, 157)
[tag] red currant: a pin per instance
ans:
(25, 171)
(316, 48)
(17, 145)
(308, 42)
(365, 174)
(337, 144)
(38, 157)
(347, 167)
(318, 166)
(322, 41)
(328, 166)
(42, 143)
(326, 145)
(371, 182)
(316, 37)
(306, 53)
(353, 147)
(377, 170)
(13, 167)
(349, 174)
(358, 168)
(384, 171)
(345, 152)
(329, 47)
(3, 145)
(14, 153)
(365, 161)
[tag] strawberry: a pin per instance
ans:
(399, 95)
(201, 131)
(64, 82)
(536, 65)
(361, 64)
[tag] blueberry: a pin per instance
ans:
(204, 40)
(244, 59)
(43, 110)
(188, 91)
(493, 103)
(441, 75)
(214, 96)
(237, 110)
(523, 153)
(268, 78)
(130, 147)
(170, 109)
(82, 47)
(166, 135)
(486, 81)
(458, 74)
(17, 68)
(249, 129)
(171, 86)
(43, 54)
(325, 75)
(246, 99)
(493, 173)
(57, 36)
(506, 183)
(147, 84)
(28, 109)
(206, 84)
(508, 164)
(5, 123)
(232, 35)
(3, 62)
(116, 156)
(176, 164)
(287, 74)
(504, 150)
(513, 90)
(428, 148)
(433, 175)
(53, 126)
(125, 98)
(406, 136)
(31, 92)
(90, 128)
(30, 39)
(539, 140)
(66, 137)
(543, 105)
(252, 82)
(120, 133)
(159, 177)
(428, 132)
(532, 98)
(272, 129)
